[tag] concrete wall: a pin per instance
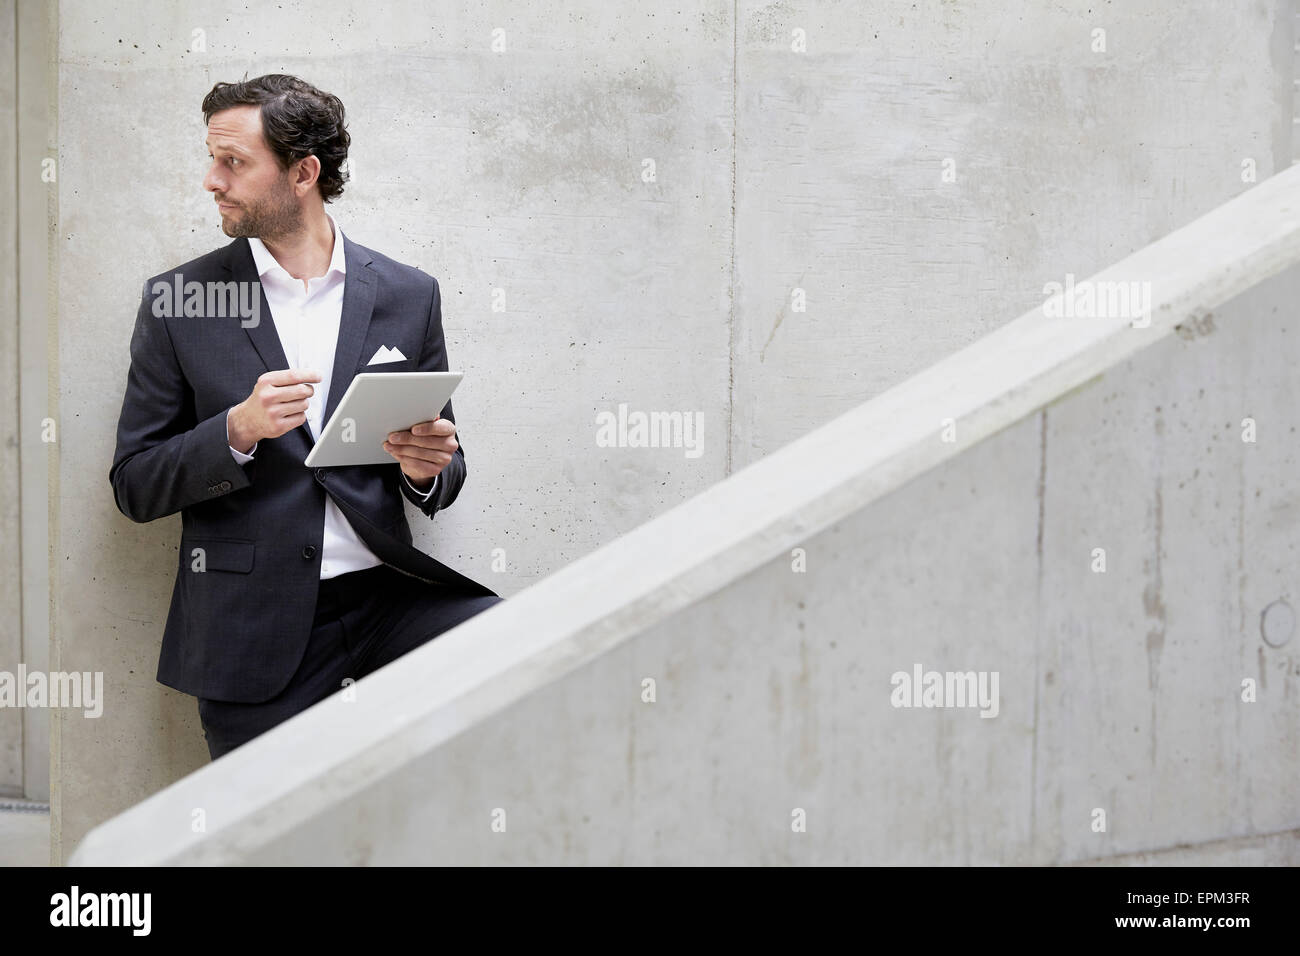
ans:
(25, 212)
(519, 171)
(1065, 159)
(11, 720)
(36, 305)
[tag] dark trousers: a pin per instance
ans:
(364, 620)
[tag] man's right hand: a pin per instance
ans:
(277, 404)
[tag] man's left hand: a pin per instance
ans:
(424, 450)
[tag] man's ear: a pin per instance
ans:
(305, 175)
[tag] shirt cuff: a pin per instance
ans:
(241, 457)
(424, 495)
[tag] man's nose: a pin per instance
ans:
(212, 182)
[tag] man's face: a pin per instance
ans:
(253, 193)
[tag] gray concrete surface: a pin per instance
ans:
(1276, 849)
(25, 210)
(519, 171)
(689, 692)
(11, 720)
(1065, 160)
(36, 304)
(24, 833)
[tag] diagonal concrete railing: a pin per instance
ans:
(372, 779)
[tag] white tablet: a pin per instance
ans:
(375, 405)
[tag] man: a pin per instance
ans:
(291, 581)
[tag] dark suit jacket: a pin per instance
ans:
(237, 630)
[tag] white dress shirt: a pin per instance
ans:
(307, 319)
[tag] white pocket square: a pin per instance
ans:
(385, 354)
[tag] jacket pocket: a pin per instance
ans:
(217, 554)
(401, 365)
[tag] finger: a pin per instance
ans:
(439, 426)
(411, 436)
(292, 421)
(290, 376)
(416, 467)
(291, 398)
(417, 453)
(288, 408)
(445, 443)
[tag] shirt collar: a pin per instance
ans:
(267, 262)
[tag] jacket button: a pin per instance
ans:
(224, 486)
(320, 474)
(309, 552)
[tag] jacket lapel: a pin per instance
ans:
(358, 305)
(243, 268)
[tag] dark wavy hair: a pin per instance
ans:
(298, 120)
